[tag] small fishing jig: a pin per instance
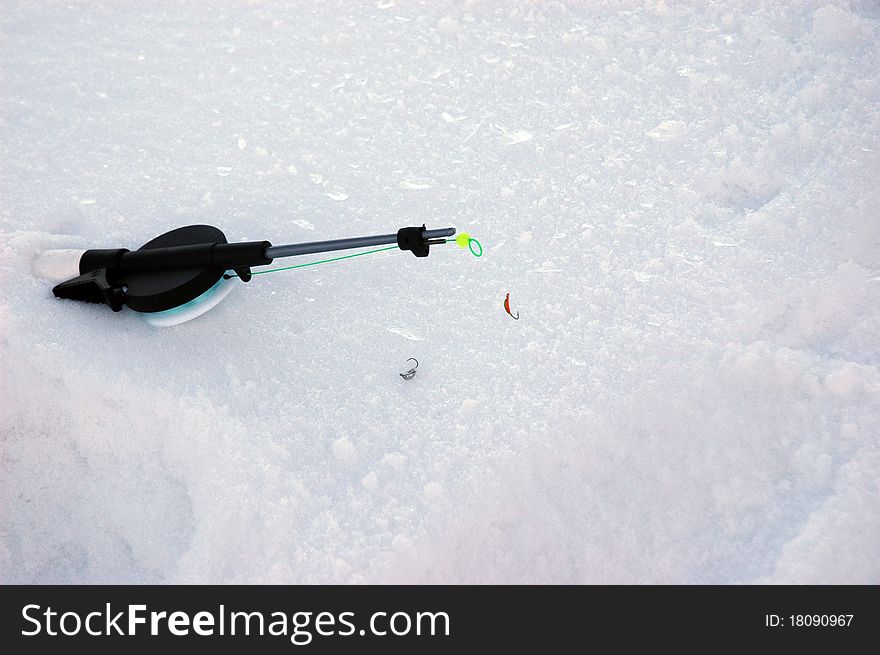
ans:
(507, 308)
(411, 373)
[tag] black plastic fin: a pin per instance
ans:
(244, 273)
(91, 287)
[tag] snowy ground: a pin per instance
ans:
(682, 201)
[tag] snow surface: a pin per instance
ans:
(681, 199)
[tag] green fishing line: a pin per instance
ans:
(463, 240)
(321, 261)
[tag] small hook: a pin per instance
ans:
(411, 373)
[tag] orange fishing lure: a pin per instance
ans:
(507, 308)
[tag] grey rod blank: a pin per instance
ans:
(289, 250)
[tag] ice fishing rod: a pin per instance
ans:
(185, 272)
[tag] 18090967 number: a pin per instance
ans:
(820, 620)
